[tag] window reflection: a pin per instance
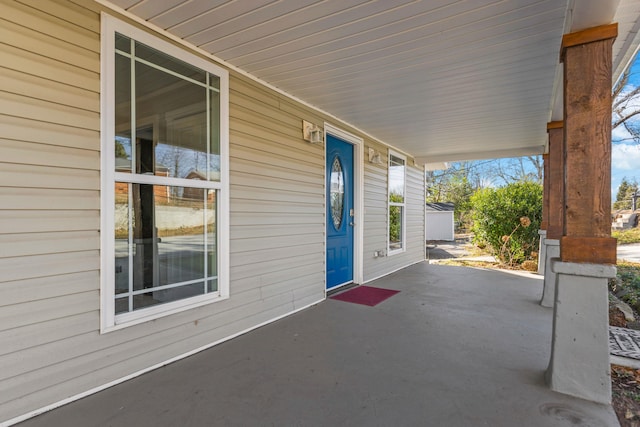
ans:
(176, 123)
(396, 179)
(165, 244)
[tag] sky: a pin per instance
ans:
(625, 155)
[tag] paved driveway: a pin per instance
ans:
(629, 252)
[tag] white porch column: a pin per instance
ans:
(549, 292)
(542, 251)
(579, 363)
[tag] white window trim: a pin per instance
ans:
(390, 251)
(108, 321)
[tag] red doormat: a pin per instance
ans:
(365, 295)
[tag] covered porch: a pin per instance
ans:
(456, 346)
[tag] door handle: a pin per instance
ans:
(351, 223)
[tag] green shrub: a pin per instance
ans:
(507, 220)
(631, 235)
(626, 285)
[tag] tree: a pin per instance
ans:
(626, 107)
(507, 219)
(625, 194)
(121, 153)
(507, 171)
(452, 185)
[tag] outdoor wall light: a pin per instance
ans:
(312, 133)
(374, 157)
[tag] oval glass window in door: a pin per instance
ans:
(337, 193)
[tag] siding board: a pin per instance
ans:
(36, 154)
(267, 170)
(268, 255)
(34, 335)
(46, 199)
(32, 312)
(25, 221)
(80, 31)
(21, 129)
(276, 265)
(19, 83)
(51, 265)
(46, 68)
(23, 291)
(282, 218)
(81, 16)
(29, 176)
(250, 181)
(48, 47)
(259, 243)
(37, 110)
(250, 231)
(26, 244)
(277, 148)
(254, 155)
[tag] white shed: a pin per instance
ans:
(439, 221)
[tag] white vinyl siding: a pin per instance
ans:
(50, 218)
(52, 348)
(376, 217)
(277, 205)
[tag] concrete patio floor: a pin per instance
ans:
(456, 347)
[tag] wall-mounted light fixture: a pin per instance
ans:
(312, 133)
(374, 157)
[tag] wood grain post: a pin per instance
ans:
(555, 216)
(544, 225)
(587, 149)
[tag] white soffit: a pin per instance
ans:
(438, 79)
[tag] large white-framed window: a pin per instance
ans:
(164, 183)
(396, 213)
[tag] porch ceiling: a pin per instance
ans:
(440, 79)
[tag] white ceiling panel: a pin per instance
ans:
(439, 79)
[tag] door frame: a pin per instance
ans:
(358, 201)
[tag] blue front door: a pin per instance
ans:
(340, 213)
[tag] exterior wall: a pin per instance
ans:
(50, 343)
(375, 216)
(439, 226)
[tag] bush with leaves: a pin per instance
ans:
(507, 220)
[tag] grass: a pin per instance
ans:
(631, 235)
(626, 286)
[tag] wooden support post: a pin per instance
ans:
(544, 225)
(555, 214)
(587, 136)
(579, 362)
(554, 173)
